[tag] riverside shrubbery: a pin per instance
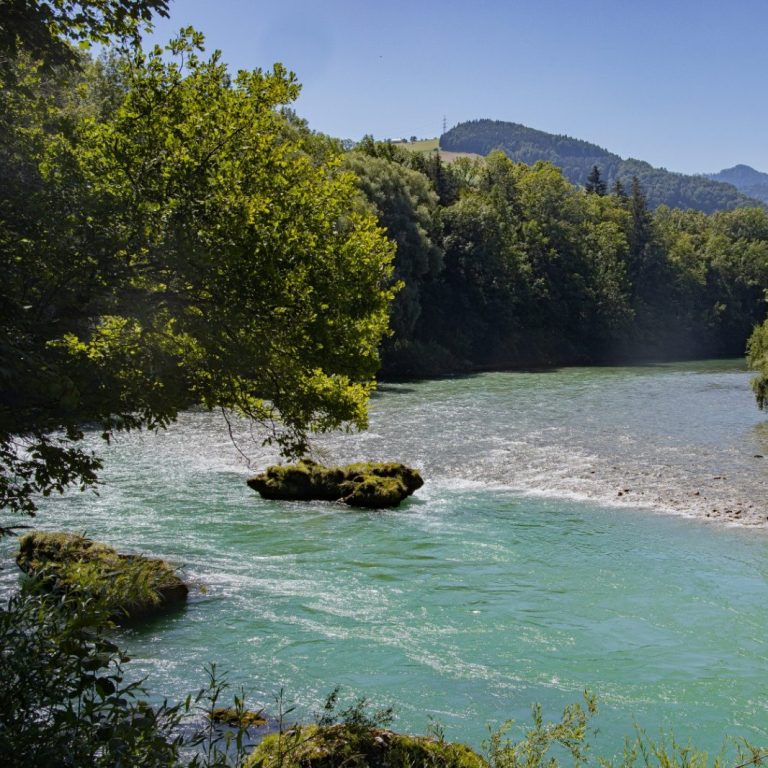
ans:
(66, 700)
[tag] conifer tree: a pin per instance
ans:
(595, 184)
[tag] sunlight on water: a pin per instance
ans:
(517, 574)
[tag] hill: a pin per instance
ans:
(745, 179)
(577, 157)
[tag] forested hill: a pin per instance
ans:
(745, 179)
(576, 158)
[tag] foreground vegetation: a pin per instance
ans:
(168, 236)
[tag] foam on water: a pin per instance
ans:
(517, 574)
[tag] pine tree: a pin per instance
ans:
(595, 184)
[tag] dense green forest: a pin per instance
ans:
(507, 264)
(576, 158)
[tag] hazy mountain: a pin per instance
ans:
(745, 179)
(576, 158)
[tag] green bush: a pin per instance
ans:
(757, 360)
(66, 700)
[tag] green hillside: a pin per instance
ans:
(428, 146)
(420, 145)
(576, 158)
(745, 179)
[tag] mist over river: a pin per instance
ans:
(600, 528)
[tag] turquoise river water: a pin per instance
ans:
(600, 528)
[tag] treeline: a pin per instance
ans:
(576, 158)
(507, 265)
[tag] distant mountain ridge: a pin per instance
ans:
(577, 157)
(746, 179)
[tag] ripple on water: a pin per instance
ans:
(517, 574)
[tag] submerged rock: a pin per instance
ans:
(347, 746)
(131, 586)
(367, 484)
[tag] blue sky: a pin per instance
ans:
(679, 83)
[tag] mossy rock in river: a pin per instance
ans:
(238, 718)
(347, 746)
(367, 484)
(130, 586)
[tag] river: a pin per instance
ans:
(600, 528)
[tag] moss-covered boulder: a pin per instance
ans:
(345, 746)
(237, 718)
(130, 586)
(368, 484)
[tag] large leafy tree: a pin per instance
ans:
(47, 29)
(166, 237)
(407, 207)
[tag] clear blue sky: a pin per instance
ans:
(679, 83)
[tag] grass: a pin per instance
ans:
(422, 145)
(425, 146)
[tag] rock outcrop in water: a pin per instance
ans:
(130, 586)
(237, 718)
(372, 484)
(347, 746)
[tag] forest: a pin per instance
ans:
(510, 265)
(746, 179)
(576, 158)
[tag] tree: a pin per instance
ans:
(176, 242)
(641, 252)
(595, 184)
(443, 180)
(407, 207)
(618, 192)
(757, 360)
(474, 307)
(44, 29)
